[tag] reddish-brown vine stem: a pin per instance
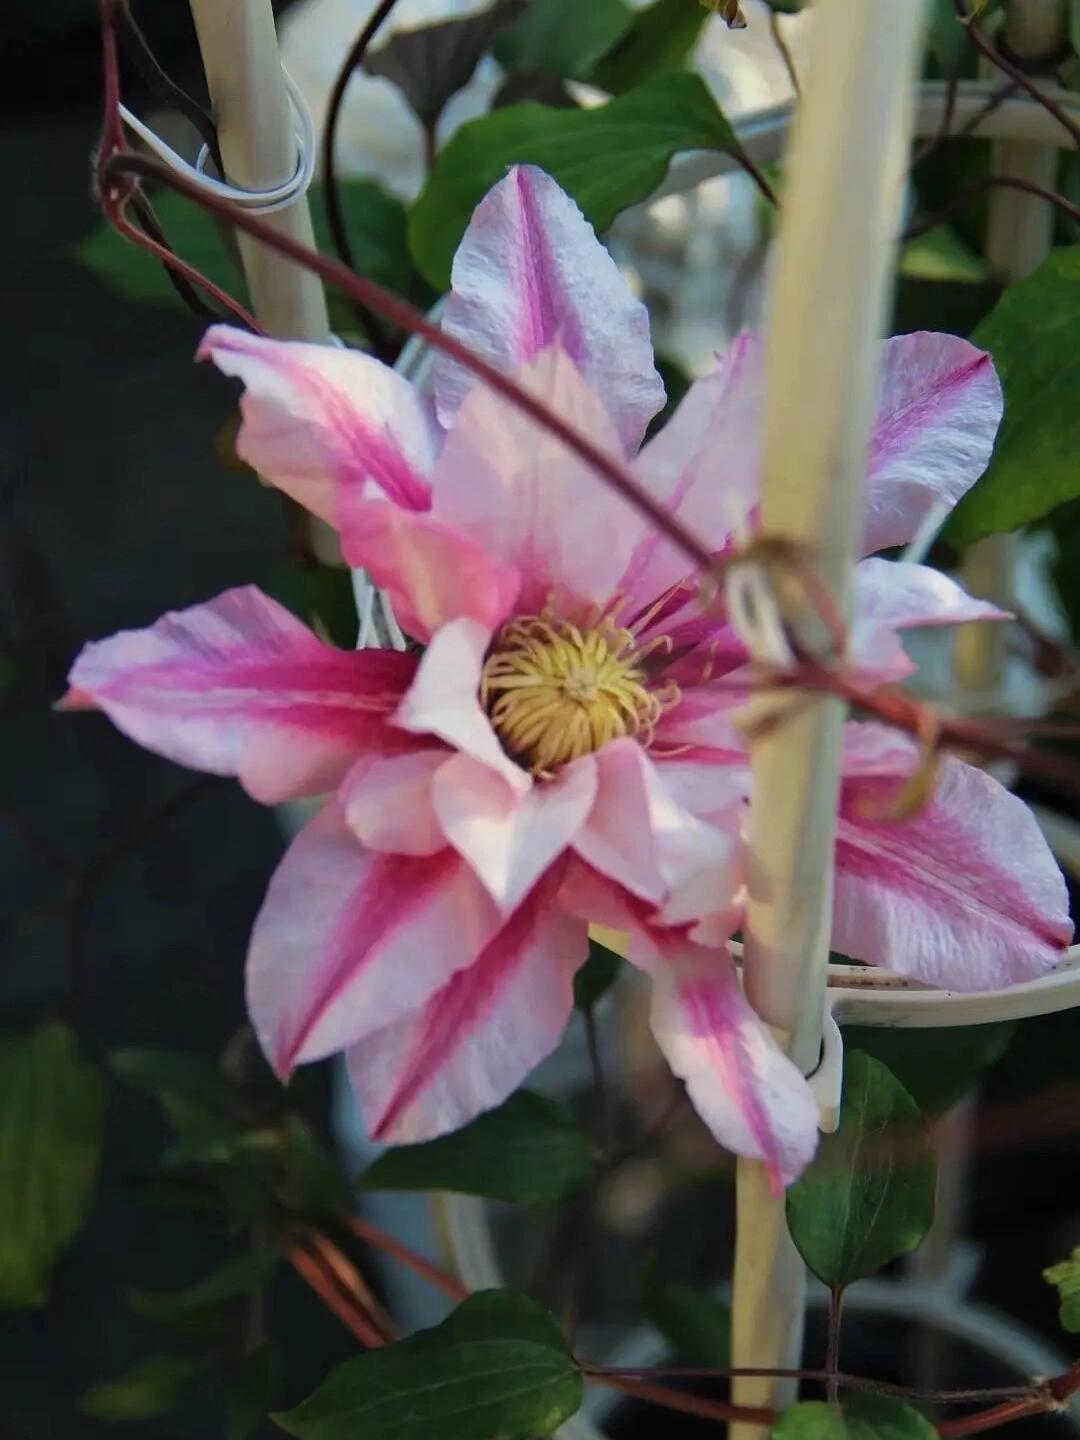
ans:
(990, 52)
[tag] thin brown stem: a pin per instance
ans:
(996, 1416)
(783, 51)
(941, 134)
(380, 1240)
(740, 156)
(687, 1404)
(990, 52)
(993, 182)
(309, 1268)
(844, 1380)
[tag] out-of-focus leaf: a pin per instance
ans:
(315, 1183)
(322, 596)
(868, 1195)
(497, 1367)
(9, 677)
(564, 37)
(660, 38)
(596, 976)
(676, 384)
(1064, 524)
(606, 158)
(431, 63)
(52, 1103)
(233, 1280)
(940, 254)
(541, 86)
(168, 1073)
(149, 1390)
(1034, 336)
(696, 1327)
(936, 1067)
(1065, 1277)
(946, 35)
(529, 1150)
(860, 1417)
(250, 1389)
(1074, 25)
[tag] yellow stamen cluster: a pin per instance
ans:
(555, 692)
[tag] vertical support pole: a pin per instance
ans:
(827, 308)
(1018, 238)
(238, 41)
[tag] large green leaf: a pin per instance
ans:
(149, 1390)
(497, 1367)
(529, 1150)
(563, 37)
(868, 1196)
(607, 158)
(1065, 1276)
(661, 38)
(696, 1327)
(936, 1066)
(1033, 334)
(861, 1417)
(52, 1104)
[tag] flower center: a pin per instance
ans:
(554, 692)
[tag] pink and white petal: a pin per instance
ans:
(939, 408)
(640, 837)
(475, 1041)
(239, 686)
(531, 502)
(965, 895)
(444, 700)
(750, 1095)
(388, 805)
(530, 273)
(348, 940)
(432, 572)
(892, 595)
(510, 837)
(704, 466)
(316, 417)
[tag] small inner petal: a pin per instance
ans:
(555, 692)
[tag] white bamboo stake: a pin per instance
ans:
(828, 298)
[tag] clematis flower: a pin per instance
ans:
(563, 751)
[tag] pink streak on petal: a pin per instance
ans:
(444, 700)
(388, 804)
(751, 1096)
(939, 409)
(892, 595)
(433, 572)
(530, 273)
(348, 940)
(239, 686)
(474, 1043)
(316, 417)
(704, 465)
(509, 837)
(534, 505)
(965, 895)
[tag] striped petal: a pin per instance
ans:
(239, 686)
(349, 940)
(476, 1040)
(530, 273)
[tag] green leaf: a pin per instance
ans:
(940, 254)
(498, 1366)
(606, 158)
(249, 1392)
(862, 1417)
(936, 1067)
(321, 595)
(52, 1104)
(660, 38)
(149, 1390)
(166, 1074)
(946, 35)
(232, 1281)
(596, 976)
(314, 1181)
(1074, 25)
(697, 1327)
(1033, 334)
(528, 1151)
(564, 37)
(868, 1196)
(1065, 1276)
